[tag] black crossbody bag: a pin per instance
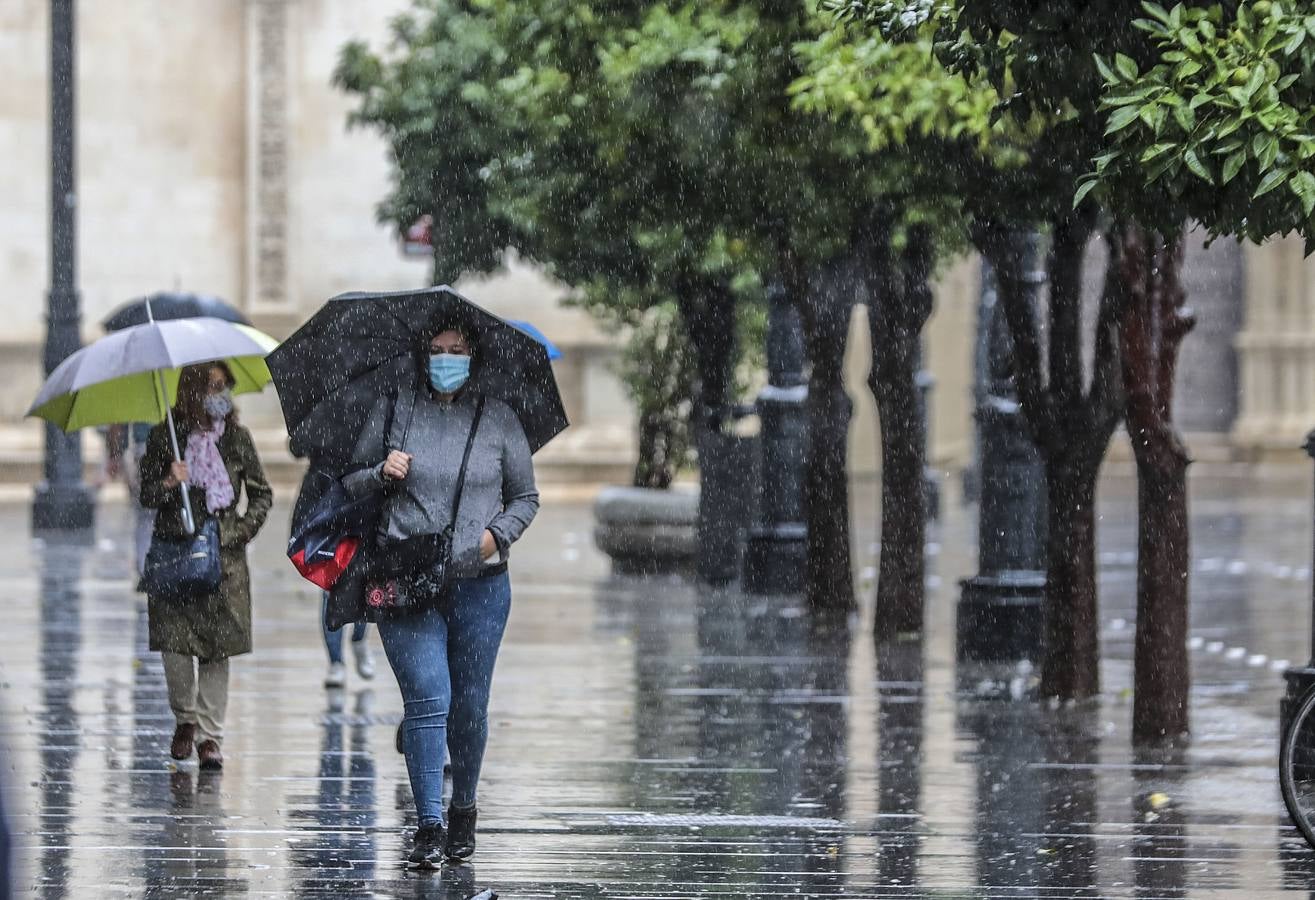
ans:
(402, 572)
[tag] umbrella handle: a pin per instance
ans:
(188, 522)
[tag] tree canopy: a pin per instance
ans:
(1215, 122)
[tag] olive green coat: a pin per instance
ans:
(218, 625)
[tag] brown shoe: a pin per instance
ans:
(211, 758)
(181, 746)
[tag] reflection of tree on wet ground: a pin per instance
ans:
(1160, 826)
(337, 855)
(1068, 784)
(900, 707)
(747, 719)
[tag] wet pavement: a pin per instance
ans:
(653, 740)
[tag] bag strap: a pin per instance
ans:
(465, 458)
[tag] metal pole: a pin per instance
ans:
(188, 522)
(1301, 679)
(62, 500)
(925, 381)
(775, 555)
(1000, 613)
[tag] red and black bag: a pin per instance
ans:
(329, 526)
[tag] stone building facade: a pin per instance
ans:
(214, 156)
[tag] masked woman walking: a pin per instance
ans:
(196, 635)
(442, 640)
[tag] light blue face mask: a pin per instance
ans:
(448, 371)
(219, 405)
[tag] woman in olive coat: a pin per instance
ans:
(197, 635)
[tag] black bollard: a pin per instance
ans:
(774, 558)
(727, 484)
(1001, 609)
(1300, 679)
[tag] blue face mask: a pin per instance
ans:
(448, 371)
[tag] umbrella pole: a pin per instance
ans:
(173, 442)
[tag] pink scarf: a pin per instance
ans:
(206, 467)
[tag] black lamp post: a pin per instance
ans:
(62, 500)
(925, 381)
(1000, 614)
(775, 557)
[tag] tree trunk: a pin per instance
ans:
(901, 575)
(659, 371)
(1072, 662)
(897, 315)
(1162, 672)
(1151, 335)
(708, 311)
(655, 467)
(901, 704)
(825, 307)
(1072, 428)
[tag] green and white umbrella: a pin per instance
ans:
(119, 377)
(132, 374)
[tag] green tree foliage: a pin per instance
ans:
(1005, 100)
(657, 368)
(1217, 123)
(1060, 115)
(506, 128)
(656, 153)
(642, 152)
(919, 135)
(428, 96)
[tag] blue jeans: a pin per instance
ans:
(443, 658)
(333, 639)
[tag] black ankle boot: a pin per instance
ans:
(427, 851)
(460, 832)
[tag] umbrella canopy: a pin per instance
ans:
(361, 345)
(172, 305)
(553, 352)
(115, 379)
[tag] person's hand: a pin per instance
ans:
(177, 475)
(397, 465)
(487, 545)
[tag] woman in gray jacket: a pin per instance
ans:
(442, 648)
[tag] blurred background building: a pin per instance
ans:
(214, 156)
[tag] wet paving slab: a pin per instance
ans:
(651, 739)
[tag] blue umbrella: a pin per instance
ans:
(553, 352)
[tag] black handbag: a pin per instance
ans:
(401, 572)
(186, 568)
(347, 595)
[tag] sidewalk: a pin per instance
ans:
(651, 740)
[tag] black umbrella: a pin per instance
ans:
(172, 305)
(361, 345)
